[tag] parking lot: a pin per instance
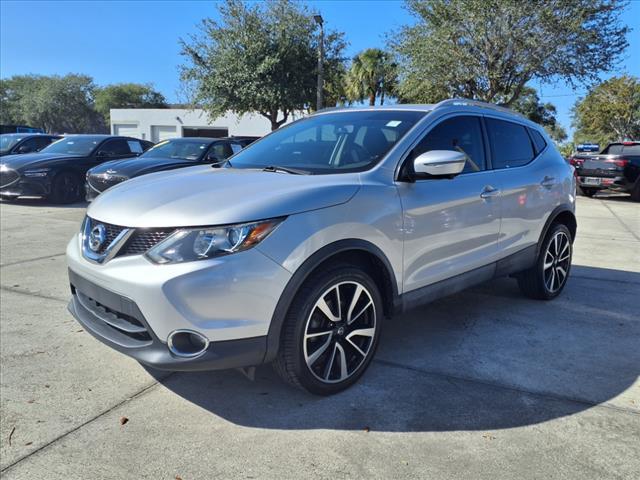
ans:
(483, 384)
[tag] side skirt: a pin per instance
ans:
(510, 265)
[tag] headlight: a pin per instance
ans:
(188, 244)
(37, 172)
(3, 167)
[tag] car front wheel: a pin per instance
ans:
(65, 188)
(331, 331)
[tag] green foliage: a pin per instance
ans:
(54, 103)
(489, 49)
(260, 57)
(127, 95)
(610, 112)
(373, 74)
(542, 113)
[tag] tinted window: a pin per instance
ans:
(192, 149)
(510, 144)
(74, 145)
(631, 149)
(31, 145)
(538, 140)
(220, 150)
(463, 134)
(115, 147)
(135, 146)
(330, 143)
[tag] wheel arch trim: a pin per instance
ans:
(306, 269)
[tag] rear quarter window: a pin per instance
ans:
(510, 143)
(538, 140)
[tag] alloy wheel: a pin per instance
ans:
(557, 260)
(340, 331)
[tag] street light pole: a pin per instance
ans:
(320, 88)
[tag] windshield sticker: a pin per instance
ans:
(394, 123)
(134, 146)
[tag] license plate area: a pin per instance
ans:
(591, 181)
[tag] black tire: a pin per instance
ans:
(65, 188)
(537, 282)
(635, 193)
(588, 192)
(305, 317)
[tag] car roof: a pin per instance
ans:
(204, 139)
(25, 134)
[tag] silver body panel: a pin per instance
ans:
(428, 231)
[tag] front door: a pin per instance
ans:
(451, 226)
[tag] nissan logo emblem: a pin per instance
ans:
(97, 237)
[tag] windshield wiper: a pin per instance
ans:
(277, 168)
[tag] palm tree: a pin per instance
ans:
(373, 73)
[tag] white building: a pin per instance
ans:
(158, 124)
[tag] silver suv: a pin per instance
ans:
(297, 248)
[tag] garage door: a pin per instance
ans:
(162, 132)
(126, 130)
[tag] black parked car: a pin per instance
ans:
(616, 168)
(57, 172)
(18, 143)
(167, 155)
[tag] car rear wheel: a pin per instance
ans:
(65, 188)
(588, 192)
(331, 331)
(547, 278)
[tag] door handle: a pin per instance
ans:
(489, 192)
(548, 181)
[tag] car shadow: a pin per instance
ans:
(483, 359)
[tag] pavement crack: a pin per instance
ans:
(501, 386)
(85, 423)
(27, 293)
(28, 260)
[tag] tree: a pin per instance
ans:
(56, 104)
(485, 49)
(542, 113)
(260, 57)
(127, 95)
(609, 112)
(373, 74)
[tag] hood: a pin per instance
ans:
(132, 167)
(33, 160)
(202, 195)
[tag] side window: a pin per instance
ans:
(463, 134)
(135, 146)
(220, 150)
(538, 140)
(115, 147)
(28, 146)
(511, 146)
(235, 147)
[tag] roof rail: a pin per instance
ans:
(475, 103)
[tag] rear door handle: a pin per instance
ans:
(548, 181)
(489, 192)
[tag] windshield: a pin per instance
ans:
(73, 146)
(330, 143)
(7, 142)
(185, 150)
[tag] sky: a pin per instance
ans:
(138, 41)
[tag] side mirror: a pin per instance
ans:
(102, 153)
(439, 163)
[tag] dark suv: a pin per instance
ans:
(616, 168)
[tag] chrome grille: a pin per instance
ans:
(7, 177)
(112, 232)
(143, 240)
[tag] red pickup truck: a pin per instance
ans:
(616, 168)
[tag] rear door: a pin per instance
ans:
(530, 186)
(450, 225)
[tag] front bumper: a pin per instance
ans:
(229, 300)
(90, 304)
(27, 187)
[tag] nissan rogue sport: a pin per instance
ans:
(297, 249)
